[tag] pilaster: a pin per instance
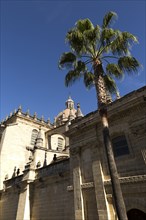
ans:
(101, 201)
(23, 210)
(77, 182)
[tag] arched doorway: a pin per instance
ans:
(136, 214)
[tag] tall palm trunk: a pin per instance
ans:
(101, 97)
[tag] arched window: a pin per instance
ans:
(34, 136)
(57, 142)
(136, 214)
(120, 146)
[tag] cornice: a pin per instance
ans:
(88, 185)
(123, 180)
(12, 118)
(123, 107)
(128, 179)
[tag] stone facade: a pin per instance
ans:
(64, 174)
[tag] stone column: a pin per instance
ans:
(78, 198)
(77, 181)
(23, 210)
(102, 204)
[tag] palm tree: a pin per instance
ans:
(101, 55)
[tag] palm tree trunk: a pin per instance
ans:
(116, 188)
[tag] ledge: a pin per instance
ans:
(13, 181)
(128, 179)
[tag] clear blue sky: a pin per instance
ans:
(32, 40)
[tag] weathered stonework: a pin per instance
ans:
(72, 183)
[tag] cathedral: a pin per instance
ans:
(59, 171)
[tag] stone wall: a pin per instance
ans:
(15, 138)
(48, 197)
(9, 199)
(79, 188)
(89, 168)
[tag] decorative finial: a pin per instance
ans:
(27, 113)
(55, 122)
(14, 172)
(18, 171)
(118, 95)
(35, 116)
(38, 164)
(78, 105)
(42, 118)
(79, 113)
(6, 176)
(19, 110)
(54, 157)
(48, 121)
(11, 114)
(14, 111)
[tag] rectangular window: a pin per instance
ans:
(120, 146)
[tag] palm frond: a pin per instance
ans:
(66, 60)
(90, 45)
(128, 64)
(80, 66)
(90, 36)
(110, 84)
(76, 40)
(108, 19)
(123, 43)
(71, 77)
(108, 35)
(89, 79)
(97, 30)
(113, 69)
(84, 25)
(129, 37)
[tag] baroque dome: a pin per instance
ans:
(68, 114)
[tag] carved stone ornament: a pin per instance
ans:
(138, 129)
(87, 185)
(29, 148)
(128, 179)
(83, 186)
(70, 188)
